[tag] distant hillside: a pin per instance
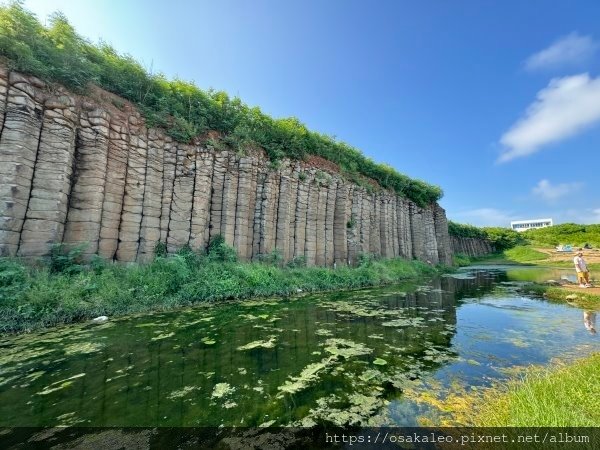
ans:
(566, 233)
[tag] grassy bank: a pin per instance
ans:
(579, 297)
(63, 291)
(563, 396)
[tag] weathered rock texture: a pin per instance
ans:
(82, 171)
(471, 246)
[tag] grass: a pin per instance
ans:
(524, 254)
(33, 297)
(580, 299)
(563, 396)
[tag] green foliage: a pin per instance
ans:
(366, 259)
(35, 297)
(461, 260)
(160, 249)
(524, 254)
(558, 397)
(500, 238)
(503, 238)
(464, 230)
(297, 261)
(274, 258)
(66, 260)
(57, 53)
(566, 233)
(218, 250)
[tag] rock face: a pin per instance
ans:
(83, 171)
(471, 246)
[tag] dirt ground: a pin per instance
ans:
(577, 290)
(591, 256)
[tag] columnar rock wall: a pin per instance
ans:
(471, 246)
(77, 170)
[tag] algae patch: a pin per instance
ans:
(222, 389)
(182, 392)
(83, 347)
(163, 336)
(309, 375)
(346, 348)
(259, 344)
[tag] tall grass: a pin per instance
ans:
(32, 297)
(524, 254)
(567, 396)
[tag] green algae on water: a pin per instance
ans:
(259, 344)
(346, 348)
(182, 392)
(222, 389)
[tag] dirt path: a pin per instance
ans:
(591, 256)
(577, 290)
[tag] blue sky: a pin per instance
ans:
(497, 102)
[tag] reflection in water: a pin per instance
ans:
(338, 358)
(589, 321)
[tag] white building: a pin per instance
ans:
(524, 225)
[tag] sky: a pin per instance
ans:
(496, 102)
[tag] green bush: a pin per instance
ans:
(57, 53)
(566, 233)
(218, 250)
(464, 230)
(65, 260)
(35, 297)
(503, 238)
(500, 238)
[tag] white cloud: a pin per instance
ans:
(564, 108)
(492, 217)
(583, 216)
(484, 217)
(549, 192)
(569, 50)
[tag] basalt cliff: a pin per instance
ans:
(86, 170)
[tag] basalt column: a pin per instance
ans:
(87, 194)
(86, 171)
(152, 206)
(135, 188)
(18, 152)
(116, 173)
(181, 203)
(47, 209)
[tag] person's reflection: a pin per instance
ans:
(589, 321)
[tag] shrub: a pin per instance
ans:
(65, 260)
(218, 250)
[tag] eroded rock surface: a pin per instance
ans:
(89, 172)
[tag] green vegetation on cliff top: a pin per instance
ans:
(501, 238)
(58, 54)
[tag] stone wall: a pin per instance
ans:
(77, 170)
(471, 246)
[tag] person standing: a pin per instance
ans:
(583, 274)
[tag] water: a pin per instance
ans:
(360, 357)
